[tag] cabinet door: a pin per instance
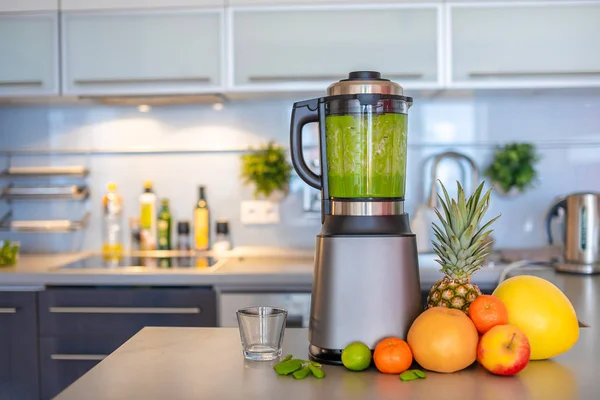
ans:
(142, 52)
(312, 46)
(28, 5)
(18, 346)
(29, 54)
(512, 45)
(135, 4)
(64, 360)
(122, 311)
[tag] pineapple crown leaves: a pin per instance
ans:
(461, 245)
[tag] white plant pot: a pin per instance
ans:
(513, 192)
(277, 196)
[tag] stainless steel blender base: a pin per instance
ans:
(366, 288)
(325, 356)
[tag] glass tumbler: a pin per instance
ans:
(261, 332)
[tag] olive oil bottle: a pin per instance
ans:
(164, 226)
(148, 218)
(201, 222)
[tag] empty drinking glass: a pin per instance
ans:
(261, 332)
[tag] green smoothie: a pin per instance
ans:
(366, 155)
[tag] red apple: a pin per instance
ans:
(504, 350)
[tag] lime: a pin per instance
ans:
(356, 356)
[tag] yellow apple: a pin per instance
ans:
(504, 350)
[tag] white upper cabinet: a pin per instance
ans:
(28, 5)
(29, 54)
(308, 47)
(296, 2)
(524, 44)
(79, 5)
(142, 52)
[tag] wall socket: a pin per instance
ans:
(259, 212)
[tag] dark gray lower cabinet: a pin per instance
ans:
(79, 326)
(18, 346)
(64, 360)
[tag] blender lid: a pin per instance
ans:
(364, 82)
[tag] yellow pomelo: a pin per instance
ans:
(543, 312)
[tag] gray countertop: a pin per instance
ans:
(246, 266)
(193, 363)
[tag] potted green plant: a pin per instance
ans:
(268, 170)
(9, 252)
(512, 170)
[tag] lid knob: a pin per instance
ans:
(364, 82)
(364, 75)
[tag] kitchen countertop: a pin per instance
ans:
(192, 363)
(250, 267)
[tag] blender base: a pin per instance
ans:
(325, 356)
(365, 288)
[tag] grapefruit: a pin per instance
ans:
(543, 312)
(443, 340)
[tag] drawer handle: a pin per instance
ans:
(304, 78)
(21, 83)
(139, 81)
(78, 357)
(8, 310)
(125, 310)
(524, 74)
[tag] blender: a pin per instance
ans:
(366, 279)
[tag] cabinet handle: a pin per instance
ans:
(301, 78)
(125, 310)
(524, 74)
(8, 310)
(78, 357)
(21, 83)
(139, 81)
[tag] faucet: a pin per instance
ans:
(432, 202)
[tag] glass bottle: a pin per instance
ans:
(164, 226)
(112, 207)
(148, 218)
(222, 239)
(201, 222)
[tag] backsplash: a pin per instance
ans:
(564, 125)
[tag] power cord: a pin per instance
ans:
(518, 264)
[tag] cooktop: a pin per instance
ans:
(128, 261)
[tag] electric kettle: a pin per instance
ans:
(581, 232)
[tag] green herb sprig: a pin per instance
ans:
(412, 374)
(298, 368)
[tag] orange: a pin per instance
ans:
(488, 311)
(443, 340)
(392, 356)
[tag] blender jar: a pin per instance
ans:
(365, 140)
(362, 140)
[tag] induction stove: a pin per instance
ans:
(142, 261)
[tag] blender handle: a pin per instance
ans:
(553, 212)
(303, 113)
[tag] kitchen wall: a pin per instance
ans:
(564, 124)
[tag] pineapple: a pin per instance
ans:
(461, 246)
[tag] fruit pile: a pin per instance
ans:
(526, 318)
